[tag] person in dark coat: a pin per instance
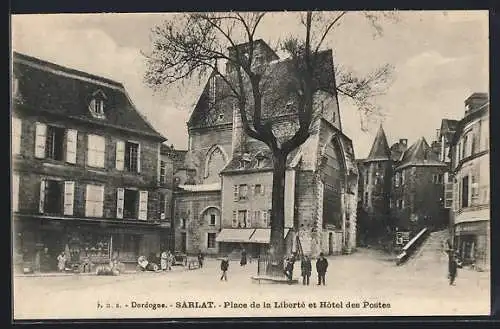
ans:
(453, 264)
(243, 260)
(306, 269)
(224, 266)
(321, 267)
(289, 268)
(201, 257)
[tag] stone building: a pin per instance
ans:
(469, 152)
(401, 188)
(86, 168)
(375, 183)
(225, 182)
(418, 188)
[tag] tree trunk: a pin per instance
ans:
(277, 243)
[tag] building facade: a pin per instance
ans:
(470, 161)
(418, 189)
(225, 182)
(86, 169)
(401, 189)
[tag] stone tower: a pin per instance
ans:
(376, 179)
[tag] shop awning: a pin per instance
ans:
(235, 235)
(263, 235)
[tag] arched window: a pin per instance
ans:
(211, 216)
(215, 162)
(334, 177)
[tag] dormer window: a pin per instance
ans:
(97, 104)
(221, 116)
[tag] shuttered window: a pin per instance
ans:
(120, 197)
(94, 201)
(16, 135)
(69, 197)
(40, 139)
(235, 219)
(71, 145)
(120, 155)
(15, 192)
(96, 151)
(143, 205)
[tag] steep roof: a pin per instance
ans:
(419, 154)
(277, 82)
(47, 87)
(380, 148)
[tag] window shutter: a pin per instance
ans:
(40, 139)
(236, 194)
(143, 205)
(16, 135)
(120, 155)
(120, 197)
(69, 197)
(263, 214)
(71, 145)
(15, 192)
(138, 158)
(41, 206)
(235, 219)
(249, 219)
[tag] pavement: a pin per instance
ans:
(364, 283)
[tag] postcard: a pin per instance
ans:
(250, 164)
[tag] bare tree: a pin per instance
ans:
(194, 45)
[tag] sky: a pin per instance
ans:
(439, 59)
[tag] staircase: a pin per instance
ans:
(431, 253)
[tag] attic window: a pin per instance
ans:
(289, 105)
(96, 105)
(221, 116)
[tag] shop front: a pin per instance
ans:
(40, 240)
(471, 240)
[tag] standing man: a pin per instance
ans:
(224, 266)
(321, 267)
(200, 259)
(306, 269)
(289, 268)
(243, 260)
(453, 264)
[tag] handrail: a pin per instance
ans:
(415, 238)
(408, 248)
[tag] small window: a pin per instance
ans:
(163, 172)
(258, 189)
(397, 178)
(213, 219)
(211, 240)
(400, 204)
(183, 223)
(132, 157)
(243, 192)
(365, 200)
(54, 146)
(221, 116)
(96, 106)
(242, 219)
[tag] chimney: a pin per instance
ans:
(238, 139)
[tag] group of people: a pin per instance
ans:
(166, 260)
(306, 268)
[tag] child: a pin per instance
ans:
(224, 266)
(163, 261)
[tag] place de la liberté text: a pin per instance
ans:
(250, 305)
